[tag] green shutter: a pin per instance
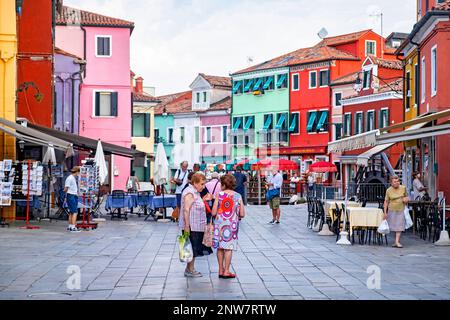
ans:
(97, 104)
(114, 101)
(147, 125)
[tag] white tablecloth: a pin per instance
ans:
(364, 217)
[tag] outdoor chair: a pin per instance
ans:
(142, 202)
(118, 197)
(310, 203)
(95, 210)
(63, 212)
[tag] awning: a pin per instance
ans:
(363, 158)
(268, 82)
(280, 122)
(35, 136)
(322, 120)
(293, 125)
(420, 119)
(248, 85)
(414, 133)
(312, 119)
(248, 123)
(268, 122)
(85, 143)
(359, 141)
(237, 124)
(257, 84)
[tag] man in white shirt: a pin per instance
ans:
(180, 179)
(295, 179)
(275, 182)
(71, 191)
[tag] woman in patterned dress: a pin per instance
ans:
(228, 209)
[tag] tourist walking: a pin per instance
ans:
(71, 191)
(214, 186)
(241, 182)
(394, 206)
(227, 211)
(275, 182)
(180, 179)
(193, 220)
(418, 188)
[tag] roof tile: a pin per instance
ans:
(216, 81)
(72, 16)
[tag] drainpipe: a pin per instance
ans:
(84, 48)
(82, 69)
(419, 74)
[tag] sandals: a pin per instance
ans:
(397, 245)
(229, 276)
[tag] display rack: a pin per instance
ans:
(6, 187)
(31, 185)
(88, 181)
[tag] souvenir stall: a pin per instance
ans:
(88, 184)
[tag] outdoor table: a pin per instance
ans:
(119, 203)
(364, 217)
(330, 205)
(170, 201)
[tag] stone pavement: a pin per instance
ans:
(138, 259)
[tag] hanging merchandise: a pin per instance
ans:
(35, 177)
(6, 186)
(88, 184)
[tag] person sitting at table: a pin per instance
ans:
(71, 191)
(418, 188)
(394, 206)
(193, 220)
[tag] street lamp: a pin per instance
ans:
(21, 145)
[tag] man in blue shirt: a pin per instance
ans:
(275, 181)
(241, 180)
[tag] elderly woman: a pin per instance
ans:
(228, 209)
(394, 206)
(193, 220)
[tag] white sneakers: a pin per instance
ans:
(73, 229)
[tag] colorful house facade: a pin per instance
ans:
(143, 121)
(105, 102)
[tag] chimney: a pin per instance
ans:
(139, 85)
(59, 6)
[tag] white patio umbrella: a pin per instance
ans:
(101, 163)
(49, 159)
(161, 170)
(49, 156)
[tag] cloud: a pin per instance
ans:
(173, 40)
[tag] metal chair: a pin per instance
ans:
(118, 196)
(63, 212)
(142, 202)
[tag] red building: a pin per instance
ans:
(310, 92)
(35, 62)
(378, 104)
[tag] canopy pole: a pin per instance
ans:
(344, 234)
(443, 237)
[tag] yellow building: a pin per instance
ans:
(8, 80)
(142, 129)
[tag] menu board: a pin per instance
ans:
(88, 180)
(6, 181)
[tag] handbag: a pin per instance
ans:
(273, 193)
(178, 181)
(208, 235)
(408, 220)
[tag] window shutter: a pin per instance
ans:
(97, 104)
(147, 125)
(114, 96)
(100, 47)
(106, 45)
(387, 118)
(380, 119)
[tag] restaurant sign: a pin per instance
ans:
(291, 151)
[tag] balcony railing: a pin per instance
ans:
(274, 137)
(242, 138)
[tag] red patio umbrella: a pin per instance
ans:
(322, 167)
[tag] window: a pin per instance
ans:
(224, 134)
(258, 84)
(371, 47)
(269, 83)
(197, 134)
(383, 120)
(103, 46)
(169, 135)
(282, 81)
(337, 131)
(311, 121)
(422, 80)
(358, 123)
(324, 78)
(247, 85)
(433, 71)
(337, 99)
(237, 123)
(141, 125)
(366, 79)
(267, 120)
(156, 133)
(295, 82)
(198, 97)
(322, 124)
(238, 87)
(281, 121)
(249, 123)
(208, 135)
(313, 79)
(370, 120)
(416, 84)
(106, 104)
(408, 90)
(347, 124)
(294, 126)
(205, 94)
(182, 134)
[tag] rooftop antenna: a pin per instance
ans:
(322, 33)
(378, 13)
(249, 60)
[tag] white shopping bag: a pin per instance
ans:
(384, 227)
(408, 220)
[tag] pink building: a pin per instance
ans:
(105, 100)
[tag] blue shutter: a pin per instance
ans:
(312, 118)
(237, 85)
(237, 123)
(280, 122)
(322, 120)
(281, 79)
(97, 104)
(258, 84)
(248, 85)
(114, 106)
(268, 122)
(293, 125)
(268, 82)
(248, 123)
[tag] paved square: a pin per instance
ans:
(138, 259)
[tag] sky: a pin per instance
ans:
(174, 40)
